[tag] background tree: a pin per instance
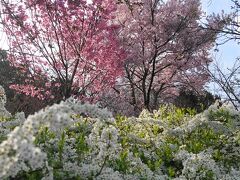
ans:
(194, 100)
(17, 102)
(8, 73)
(228, 82)
(167, 49)
(71, 45)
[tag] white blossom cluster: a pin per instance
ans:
(72, 140)
(7, 124)
(3, 99)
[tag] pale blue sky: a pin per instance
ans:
(229, 51)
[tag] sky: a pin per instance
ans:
(3, 40)
(229, 51)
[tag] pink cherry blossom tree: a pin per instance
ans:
(69, 45)
(167, 49)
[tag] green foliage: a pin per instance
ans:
(173, 115)
(201, 138)
(5, 119)
(165, 154)
(61, 144)
(33, 175)
(208, 174)
(232, 159)
(2, 138)
(222, 115)
(149, 143)
(195, 141)
(122, 163)
(44, 135)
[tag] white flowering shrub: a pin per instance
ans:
(71, 140)
(3, 112)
